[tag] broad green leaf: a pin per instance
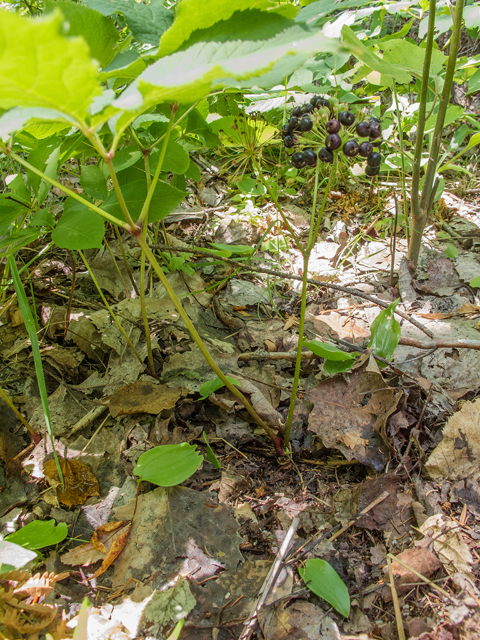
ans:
(411, 56)
(385, 332)
(9, 211)
(43, 218)
(232, 248)
(328, 351)
(210, 454)
(165, 199)
(147, 22)
(332, 367)
(193, 15)
(39, 534)
(471, 15)
(214, 385)
(19, 190)
(45, 158)
(79, 227)
(169, 464)
(474, 82)
(127, 64)
(474, 140)
(193, 172)
(99, 32)
(451, 251)
(93, 182)
(18, 118)
(321, 578)
(188, 76)
(176, 159)
(19, 239)
(126, 158)
(475, 282)
(41, 68)
(368, 57)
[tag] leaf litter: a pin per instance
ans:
(202, 551)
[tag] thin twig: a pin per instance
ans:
(269, 582)
(396, 603)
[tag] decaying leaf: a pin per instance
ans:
(448, 543)
(351, 416)
(107, 542)
(143, 397)
(80, 481)
(422, 560)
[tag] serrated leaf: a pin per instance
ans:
(39, 534)
(18, 118)
(385, 332)
(188, 76)
(193, 15)
(78, 228)
(214, 385)
(147, 22)
(321, 578)
(168, 465)
(93, 182)
(328, 351)
(41, 68)
(99, 32)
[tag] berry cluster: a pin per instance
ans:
(316, 125)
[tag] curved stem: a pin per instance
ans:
(66, 190)
(199, 342)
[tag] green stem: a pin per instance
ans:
(69, 192)
(402, 160)
(110, 310)
(146, 205)
(118, 191)
(277, 205)
(199, 342)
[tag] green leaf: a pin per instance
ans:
(214, 385)
(41, 68)
(176, 159)
(474, 140)
(43, 218)
(321, 578)
(126, 158)
(188, 76)
(328, 351)
(45, 158)
(411, 56)
(169, 464)
(79, 227)
(39, 534)
(212, 458)
(475, 282)
(18, 118)
(232, 248)
(451, 251)
(385, 332)
(93, 182)
(193, 15)
(98, 31)
(126, 64)
(368, 57)
(193, 172)
(165, 199)
(146, 22)
(474, 83)
(332, 367)
(9, 211)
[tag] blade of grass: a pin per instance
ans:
(37, 359)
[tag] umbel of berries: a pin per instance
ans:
(318, 130)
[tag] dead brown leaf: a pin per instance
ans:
(143, 397)
(80, 481)
(419, 558)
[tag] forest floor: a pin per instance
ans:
(386, 459)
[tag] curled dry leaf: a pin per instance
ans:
(80, 481)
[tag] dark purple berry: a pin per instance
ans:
(318, 101)
(372, 171)
(325, 155)
(332, 126)
(333, 141)
(292, 124)
(305, 124)
(285, 130)
(366, 149)
(308, 108)
(323, 102)
(351, 148)
(297, 112)
(375, 159)
(347, 118)
(289, 141)
(373, 119)
(375, 130)
(363, 129)
(310, 157)
(298, 159)
(376, 143)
